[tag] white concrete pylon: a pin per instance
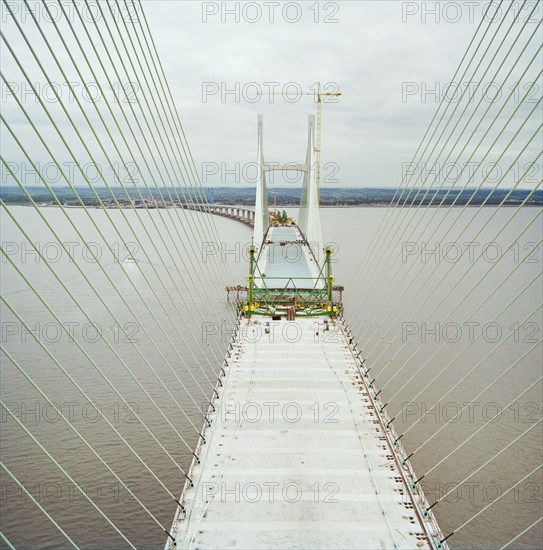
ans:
(302, 216)
(312, 228)
(262, 216)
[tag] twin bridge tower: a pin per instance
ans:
(309, 221)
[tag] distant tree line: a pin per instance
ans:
(329, 196)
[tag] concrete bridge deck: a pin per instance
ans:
(286, 261)
(296, 455)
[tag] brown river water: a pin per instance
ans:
(408, 335)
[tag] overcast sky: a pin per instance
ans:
(367, 51)
(391, 60)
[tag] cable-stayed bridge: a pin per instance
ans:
(134, 393)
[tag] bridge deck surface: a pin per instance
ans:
(287, 265)
(295, 457)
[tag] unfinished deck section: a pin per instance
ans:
(296, 455)
(287, 261)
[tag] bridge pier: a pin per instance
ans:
(240, 213)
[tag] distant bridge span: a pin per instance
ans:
(243, 214)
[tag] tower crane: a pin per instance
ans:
(318, 147)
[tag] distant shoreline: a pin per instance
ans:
(364, 205)
(283, 197)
